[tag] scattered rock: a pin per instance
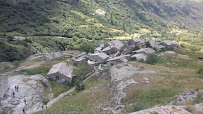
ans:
(186, 96)
(170, 52)
(164, 110)
(141, 67)
(146, 80)
(199, 107)
(170, 71)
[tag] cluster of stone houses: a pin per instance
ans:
(111, 53)
(116, 51)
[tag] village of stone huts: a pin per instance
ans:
(109, 54)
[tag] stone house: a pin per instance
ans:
(80, 60)
(61, 72)
(117, 60)
(3, 85)
(156, 45)
(98, 57)
(145, 51)
(137, 42)
(110, 50)
(170, 45)
(113, 46)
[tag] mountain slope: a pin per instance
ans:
(65, 17)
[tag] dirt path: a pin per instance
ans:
(60, 97)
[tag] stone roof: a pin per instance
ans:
(102, 55)
(62, 68)
(169, 42)
(145, 50)
(116, 43)
(137, 40)
(118, 57)
(140, 56)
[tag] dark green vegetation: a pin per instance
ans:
(84, 47)
(152, 59)
(15, 50)
(68, 17)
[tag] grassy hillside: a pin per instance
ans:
(78, 18)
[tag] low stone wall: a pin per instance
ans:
(3, 85)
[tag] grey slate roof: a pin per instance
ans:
(62, 68)
(116, 43)
(101, 55)
(145, 51)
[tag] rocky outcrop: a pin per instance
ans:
(30, 88)
(3, 85)
(122, 71)
(164, 110)
(187, 96)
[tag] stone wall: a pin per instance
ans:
(3, 85)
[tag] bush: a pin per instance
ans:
(200, 71)
(133, 59)
(86, 48)
(152, 59)
(136, 48)
(80, 87)
(148, 45)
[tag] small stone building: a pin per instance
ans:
(3, 85)
(144, 51)
(156, 45)
(98, 57)
(61, 72)
(170, 45)
(117, 60)
(116, 44)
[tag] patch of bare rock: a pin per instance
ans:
(118, 75)
(30, 88)
(187, 96)
(164, 110)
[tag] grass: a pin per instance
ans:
(58, 88)
(43, 67)
(164, 85)
(85, 102)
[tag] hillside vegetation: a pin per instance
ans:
(78, 18)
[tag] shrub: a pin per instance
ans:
(133, 59)
(200, 71)
(152, 59)
(80, 87)
(136, 48)
(148, 45)
(86, 48)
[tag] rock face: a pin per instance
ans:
(199, 107)
(30, 88)
(3, 85)
(186, 96)
(122, 71)
(164, 110)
